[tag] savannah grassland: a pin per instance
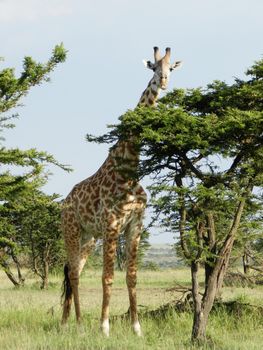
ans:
(30, 318)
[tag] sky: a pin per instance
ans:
(103, 75)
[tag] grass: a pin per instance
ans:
(30, 318)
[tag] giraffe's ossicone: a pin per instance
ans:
(105, 205)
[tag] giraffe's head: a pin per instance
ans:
(162, 67)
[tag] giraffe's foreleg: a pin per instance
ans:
(109, 251)
(132, 245)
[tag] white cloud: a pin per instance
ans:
(32, 10)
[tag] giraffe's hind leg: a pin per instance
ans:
(132, 244)
(75, 266)
(77, 254)
(71, 283)
(67, 295)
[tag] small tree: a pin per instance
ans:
(40, 233)
(34, 230)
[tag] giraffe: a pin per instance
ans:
(107, 204)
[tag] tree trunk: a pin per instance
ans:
(18, 267)
(202, 307)
(45, 264)
(199, 325)
(9, 274)
(44, 277)
(196, 330)
(224, 266)
(214, 280)
(245, 259)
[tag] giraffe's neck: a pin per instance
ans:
(126, 150)
(150, 94)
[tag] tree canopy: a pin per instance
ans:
(12, 89)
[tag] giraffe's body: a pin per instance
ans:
(105, 205)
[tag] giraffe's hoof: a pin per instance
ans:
(105, 327)
(137, 329)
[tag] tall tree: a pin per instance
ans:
(12, 89)
(203, 149)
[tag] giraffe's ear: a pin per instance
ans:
(149, 64)
(176, 65)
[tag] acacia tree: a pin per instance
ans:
(37, 223)
(203, 149)
(32, 233)
(12, 89)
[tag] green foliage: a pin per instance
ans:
(30, 225)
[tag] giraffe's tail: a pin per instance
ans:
(66, 287)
